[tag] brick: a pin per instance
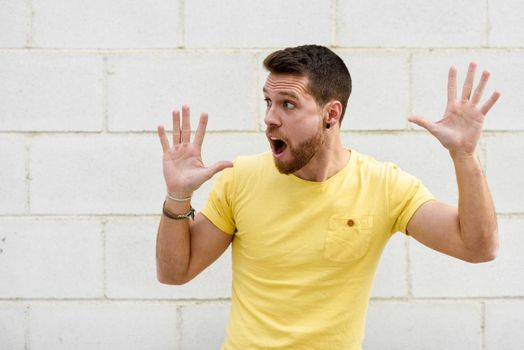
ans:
(105, 174)
(437, 275)
(504, 172)
(131, 269)
(204, 326)
(50, 259)
(12, 327)
(504, 324)
(254, 24)
(13, 188)
(14, 23)
(380, 94)
(143, 89)
(93, 325)
(421, 155)
(390, 279)
(404, 23)
(102, 24)
(48, 92)
(430, 74)
(506, 22)
(430, 326)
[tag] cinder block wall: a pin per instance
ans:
(83, 86)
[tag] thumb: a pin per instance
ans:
(217, 167)
(422, 122)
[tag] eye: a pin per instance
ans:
(268, 102)
(288, 105)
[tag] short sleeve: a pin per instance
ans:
(219, 206)
(406, 194)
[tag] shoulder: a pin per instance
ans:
(369, 166)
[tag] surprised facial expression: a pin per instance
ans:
(293, 119)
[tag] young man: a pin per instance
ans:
(309, 219)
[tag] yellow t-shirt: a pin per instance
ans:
(304, 253)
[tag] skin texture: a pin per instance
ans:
(315, 153)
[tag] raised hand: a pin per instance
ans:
(460, 128)
(184, 171)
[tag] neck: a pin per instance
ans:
(329, 160)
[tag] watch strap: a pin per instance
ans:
(189, 214)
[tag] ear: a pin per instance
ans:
(332, 112)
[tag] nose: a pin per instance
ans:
(271, 119)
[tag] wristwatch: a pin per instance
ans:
(189, 214)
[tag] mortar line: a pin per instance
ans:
(27, 333)
(334, 42)
(181, 24)
(344, 49)
(223, 301)
(29, 36)
(375, 132)
(487, 23)
(483, 326)
(105, 95)
(409, 126)
(103, 228)
(27, 151)
(409, 282)
(258, 117)
(179, 325)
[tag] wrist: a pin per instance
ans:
(463, 155)
(179, 196)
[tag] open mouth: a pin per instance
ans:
(278, 146)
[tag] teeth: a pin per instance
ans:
(274, 138)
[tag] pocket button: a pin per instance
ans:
(350, 222)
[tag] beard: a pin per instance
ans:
(301, 154)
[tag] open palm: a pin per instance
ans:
(183, 169)
(460, 128)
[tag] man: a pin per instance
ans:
(309, 219)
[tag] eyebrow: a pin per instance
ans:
(285, 93)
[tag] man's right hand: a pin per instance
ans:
(184, 171)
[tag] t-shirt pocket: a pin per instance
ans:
(348, 237)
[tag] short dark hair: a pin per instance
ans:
(328, 76)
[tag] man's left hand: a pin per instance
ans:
(460, 128)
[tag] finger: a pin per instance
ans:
(163, 138)
(477, 95)
(426, 124)
(452, 83)
(201, 130)
(186, 126)
(176, 127)
(468, 83)
(217, 167)
(490, 102)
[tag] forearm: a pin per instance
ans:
(173, 245)
(478, 220)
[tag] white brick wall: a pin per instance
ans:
(14, 23)
(51, 92)
(44, 258)
(100, 24)
(423, 325)
(102, 325)
(255, 24)
(83, 86)
(12, 326)
(383, 23)
(203, 326)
